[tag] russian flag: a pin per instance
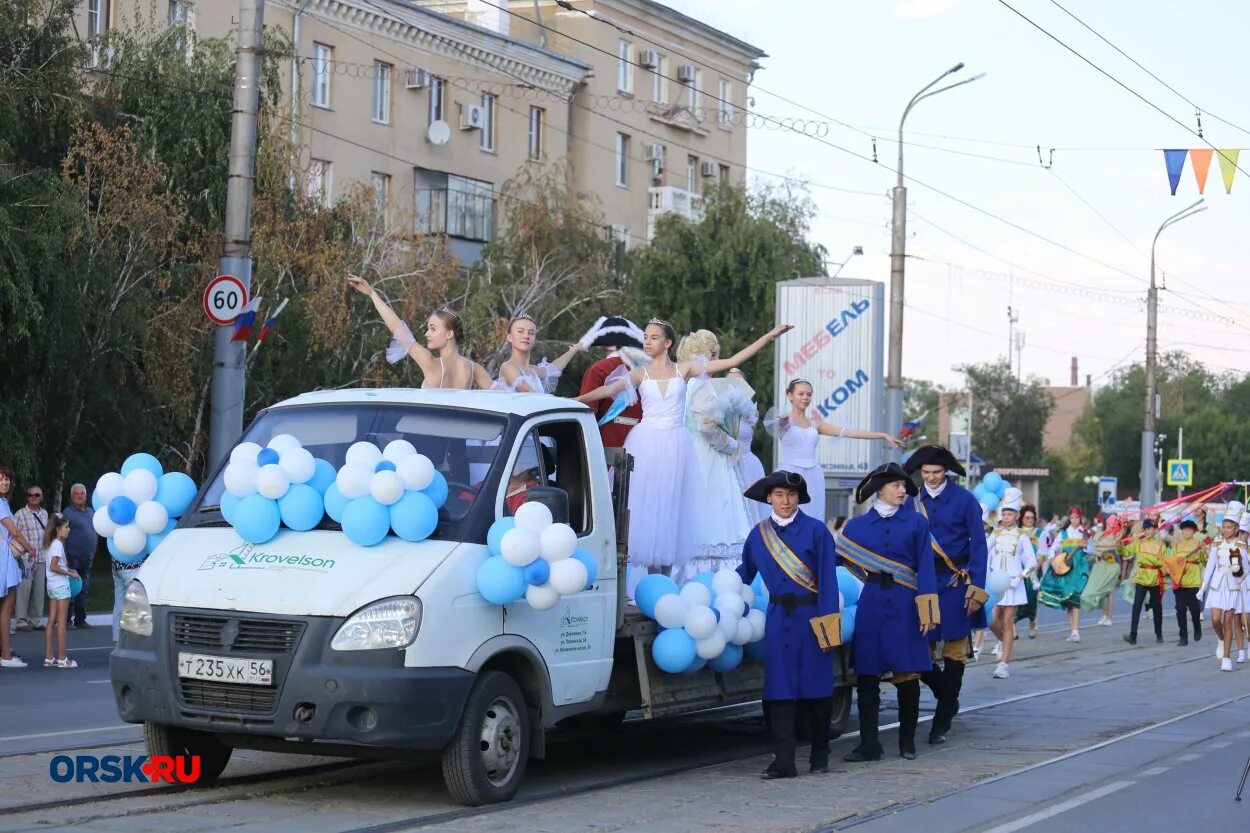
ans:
(273, 316)
(244, 320)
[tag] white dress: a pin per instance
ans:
(1011, 552)
(539, 378)
(10, 570)
(1224, 590)
(798, 454)
(663, 485)
(750, 469)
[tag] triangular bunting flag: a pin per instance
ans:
(1201, 159)
(1228, 167)
(1175, 161)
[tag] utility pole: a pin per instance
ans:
(229, 358)
(1012, 319)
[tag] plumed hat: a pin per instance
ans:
(879, 477)
(780, 479)
(934, 455)
(613, 331)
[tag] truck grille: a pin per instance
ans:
(270, 636)
(232, 697)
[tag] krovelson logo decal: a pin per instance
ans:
(247, 557)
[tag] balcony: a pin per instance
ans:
(466, 217)
(668, 200)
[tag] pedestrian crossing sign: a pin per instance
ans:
(1180, 472)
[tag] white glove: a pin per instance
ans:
(1202, 588)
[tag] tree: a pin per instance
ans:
(1008, 416)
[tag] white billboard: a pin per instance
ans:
(837, 344)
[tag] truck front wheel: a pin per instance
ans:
(173, 741)
(486, 759)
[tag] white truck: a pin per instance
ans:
(310, 644)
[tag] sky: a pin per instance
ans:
(1099, 203)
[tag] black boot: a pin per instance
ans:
(948, 706)
(818, 714)
(908, 715)
(869, 748)
(781, 714)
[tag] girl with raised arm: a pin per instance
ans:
(517, 373)
(665, 478)
(440, 361)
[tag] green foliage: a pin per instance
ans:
(39, 80)
(1008, 417)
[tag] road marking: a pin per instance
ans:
(1192, 756)
(1156, 770)
(70, 732)
(1219, 744)
(97, 648)
(92, 682)
(1060, 808)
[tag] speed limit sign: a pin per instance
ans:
(224, 299)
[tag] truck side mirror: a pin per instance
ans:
(557, 500)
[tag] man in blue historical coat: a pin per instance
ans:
(793, 553)
(960, 557)
(888, 548)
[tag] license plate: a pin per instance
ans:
(225, 669)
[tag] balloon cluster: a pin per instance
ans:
(849, 590)
(535, 559)
(138, 506)
(713, 620)
(989, 492)
(279, 485)
(383, 490)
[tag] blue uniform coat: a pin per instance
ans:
(887, 621)
(795, 667)
(954, 518)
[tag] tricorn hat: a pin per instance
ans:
(879, 477)
(934, 455)
(780, 479)
(613, 331)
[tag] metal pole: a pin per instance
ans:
(1180, 455)
(229, 358)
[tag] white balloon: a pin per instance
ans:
(998, 583)
(696, 594)
(729, 604)
(284, 444)
(520, 547)
(416, 471)
(354, 479)
(299, 464)
(700, 622)
(397, 450)
(726, 581)
(743, 636)
(109, 486)
(710, 647)
(130, 539)
(557, 542)
(757, 620)
(141, 485)
(151, 517)
(364, 454)
(386, 487)
(670, 611)
(727, 626)
(104, 526)
(542, 596)
(569, 575)
(241, 478)
(272, 481)
(748, 594)
(532, 516)
(245, 452)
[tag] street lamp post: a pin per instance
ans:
(858, 250)
(1149, 470)
(898, 254)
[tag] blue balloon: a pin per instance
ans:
(992, 481)
(384, 465)
(155, 541)
(705, 578)
(301, 507)
(97, 502)
(335, 503)
(142, 461)
(366, 522)
(499, 582)
(494, 535)
(696, 666)
(228, 502)
(75, 586)
(756, 650)
(729, 659)
(175, 491)
(991, 502)
(413, 517)
(267, 457)
(437, 490)
(990, 602)
(716, 613)
(848, 624)
(649, 591)
(323, 477)
(256, 519)
(673, 650)
(113, 551)
(537, 572)
(761, 593)
(849, 586)
(122, 510)
(592, 566)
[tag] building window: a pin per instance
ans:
(382, 92)
(693, 98)
(456, 206)
(323, 58)
(381, 184)
(692, 174)
(622, 160)
(723, 175)
(97, 25)
(659, 80)
(438, 97)
(724, 107)
(487, 139)
(177, 12)
(319, 182)
(538, 126)
(625, 67)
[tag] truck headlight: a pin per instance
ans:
(136, 616)
(391, 623)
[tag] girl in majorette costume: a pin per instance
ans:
(1225, 578)
(799, 436)
(1067, 572)
(517, 374)
(722, 519)
(440, 361)
(1011, 565)
(665, 480)
(1028, 525)
(750, 469)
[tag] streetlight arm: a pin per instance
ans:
(927, 92)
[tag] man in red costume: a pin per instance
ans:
(623, 341)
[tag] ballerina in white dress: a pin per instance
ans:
(517, 374)
(750, 467)
(799, 437)
(664, 481)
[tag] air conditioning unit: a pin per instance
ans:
(709, 169)
(686, 73)
(655, 153)
(648, 59)
(418, 79)
(472, 117)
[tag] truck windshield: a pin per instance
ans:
(461, 444)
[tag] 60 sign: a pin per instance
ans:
(224, 298)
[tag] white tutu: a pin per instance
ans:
(1228, 598)
(750, 469)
